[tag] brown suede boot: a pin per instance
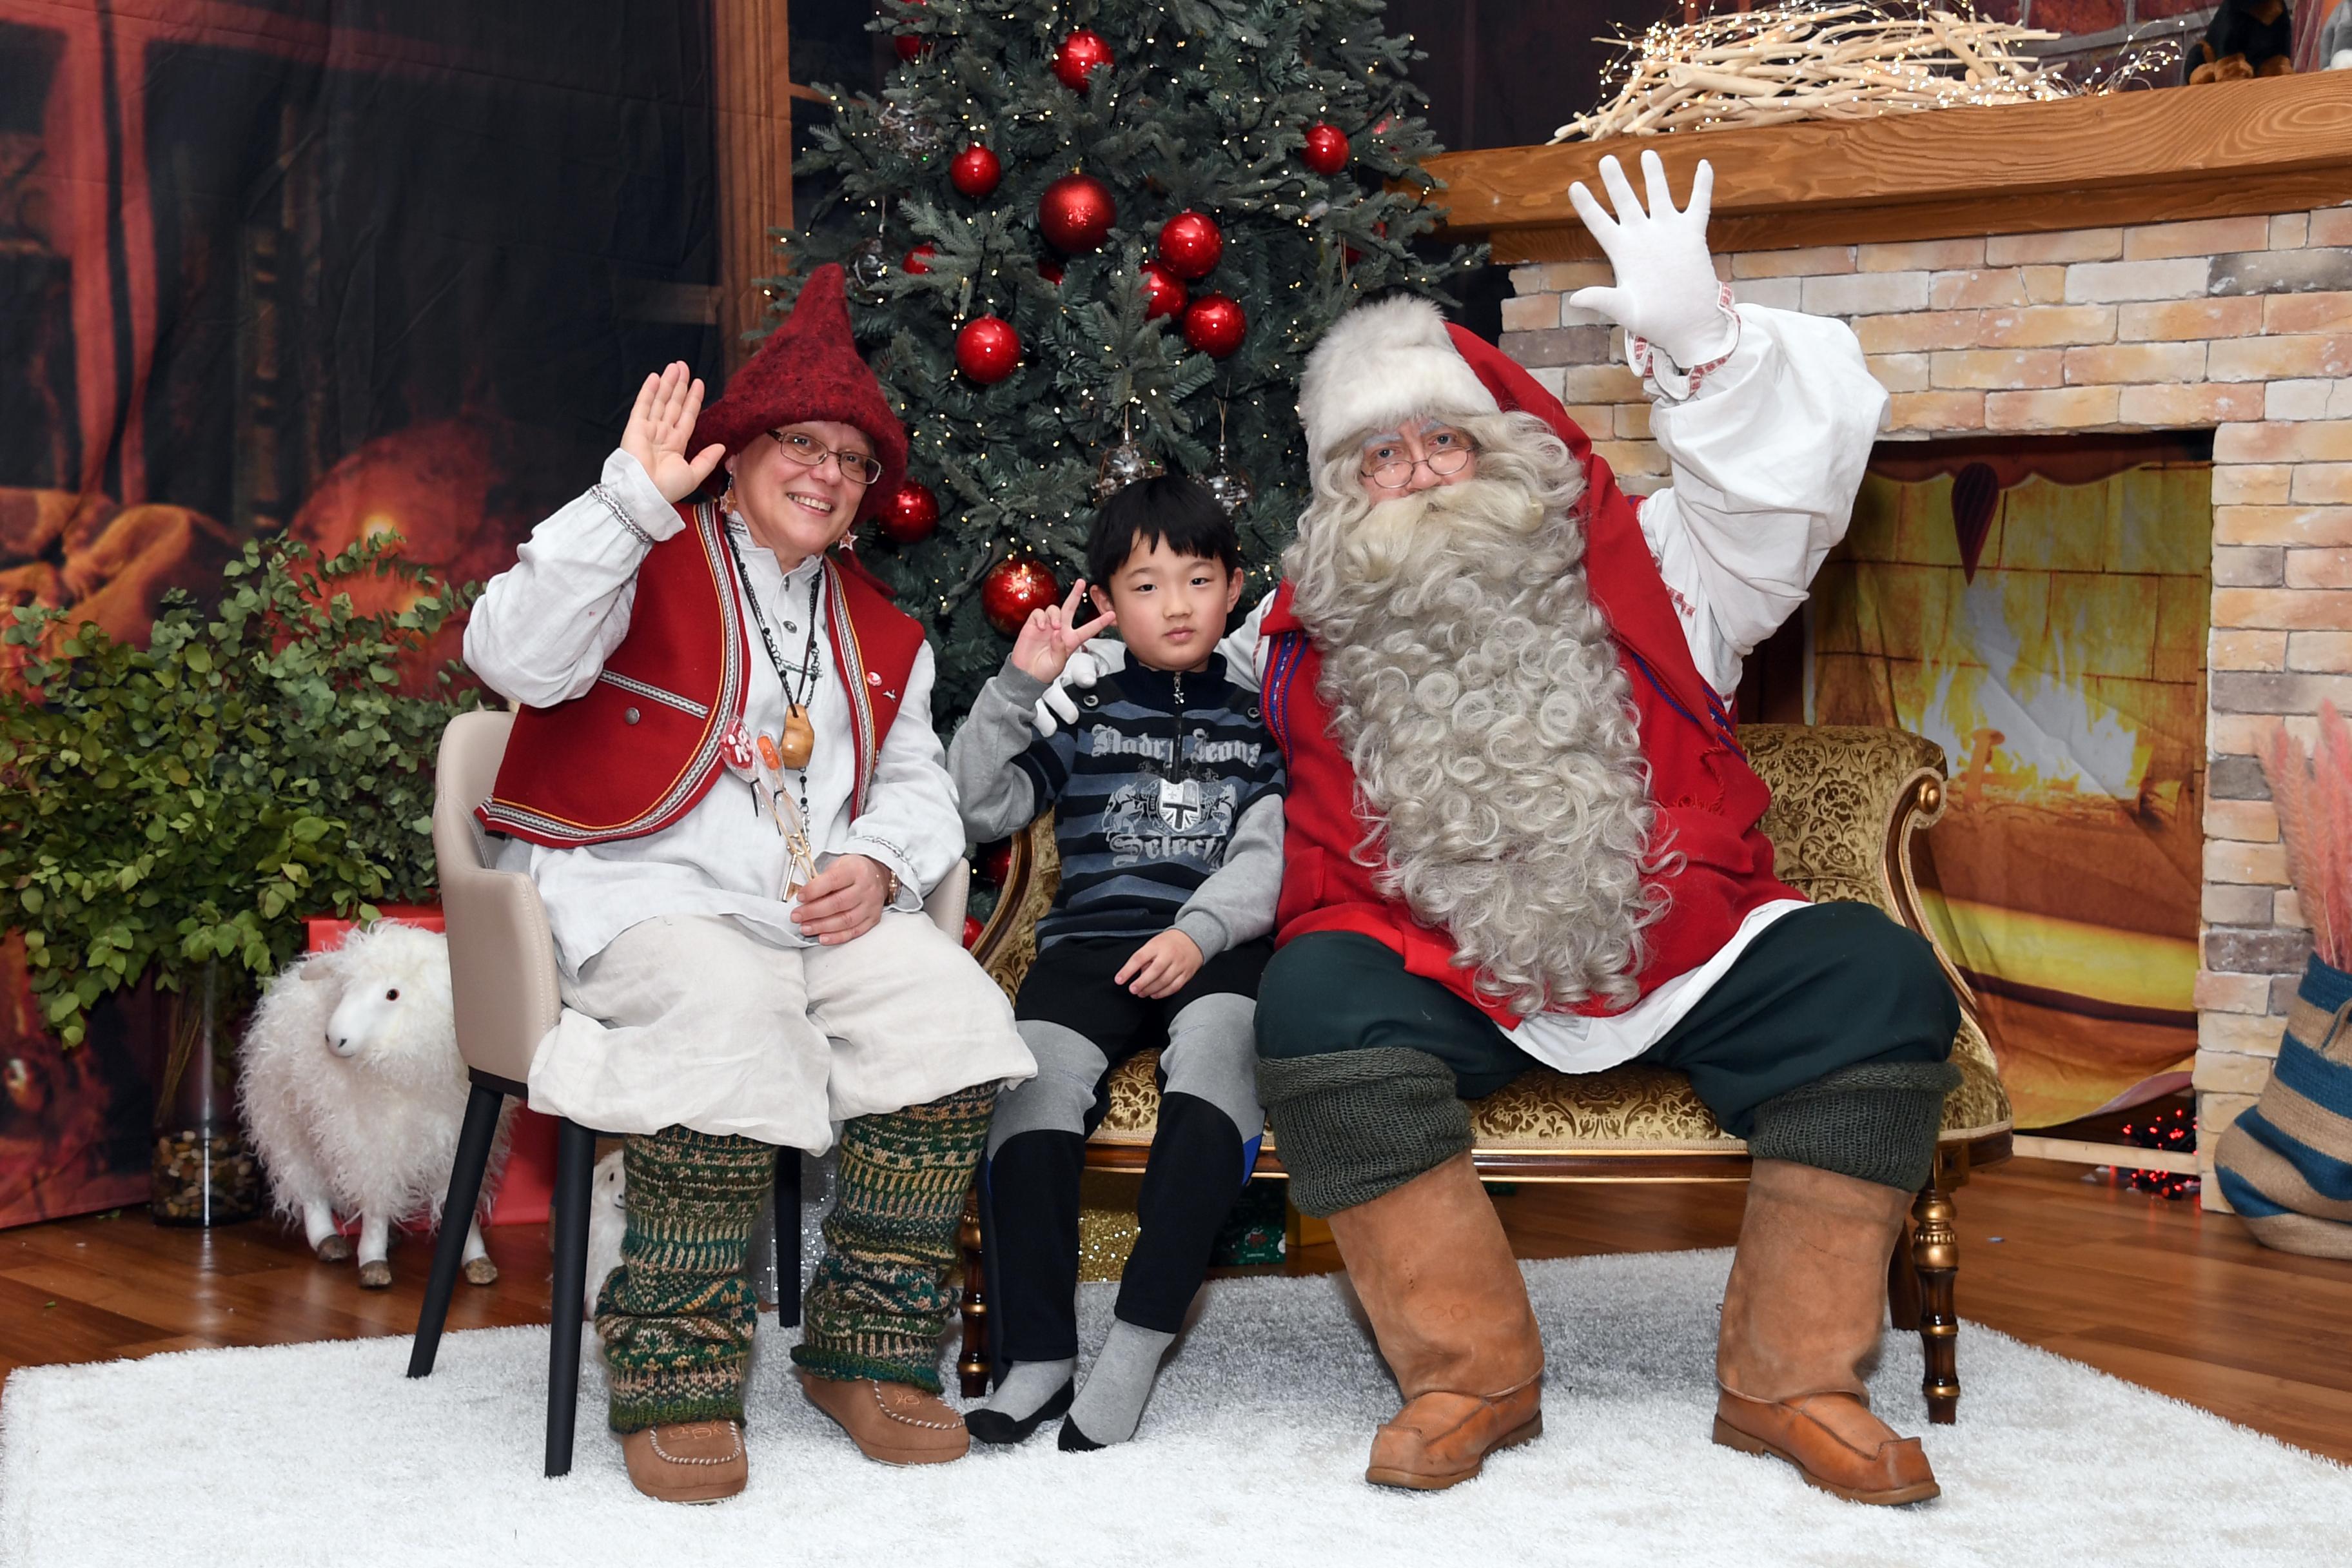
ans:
(1800, 1315)
(693, 1461)
(891, 1423)
(1450, 1309)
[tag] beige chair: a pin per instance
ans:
(503, 990)
(1845, 801)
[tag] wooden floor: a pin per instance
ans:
(2160, 1293)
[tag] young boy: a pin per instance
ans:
(1168, 813)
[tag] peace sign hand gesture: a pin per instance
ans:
(1666, 289)
(661, 424)
(1052, 634)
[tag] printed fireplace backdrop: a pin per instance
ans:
(2038, 607)
(338, 268)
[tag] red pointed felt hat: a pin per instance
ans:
(808, 368)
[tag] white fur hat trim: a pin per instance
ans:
(1379, 364)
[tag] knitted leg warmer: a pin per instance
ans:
(879, 1301)
(1875, 1122)
(675, 1318)
(1352, 1125)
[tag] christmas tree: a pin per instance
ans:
(1093, 238)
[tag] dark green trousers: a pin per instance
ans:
(1836, 1016)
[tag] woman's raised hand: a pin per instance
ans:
(1052, 634)
(661, 424)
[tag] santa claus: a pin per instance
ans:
(1521, 833)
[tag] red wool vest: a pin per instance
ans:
(1708, 799)
(637, 751)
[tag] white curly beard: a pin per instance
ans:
(1477, 693)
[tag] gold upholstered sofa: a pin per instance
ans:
(1845, 804)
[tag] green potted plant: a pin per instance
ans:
(168, 815)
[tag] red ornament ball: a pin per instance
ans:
(1075, 213)
(911, 45)
(1326, 152)
(1163, 293)
(911, 514)
(1190, 243)
(1014, 587)
(1082, 54)
(1215, 325)
(988, 349)
(972, 930)
(975, 171)
(1051, 271)
(918, 259)
(996, 861)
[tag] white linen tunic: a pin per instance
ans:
(543, 630)
(715, 1012)
(1767, 456)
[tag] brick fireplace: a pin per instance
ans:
(2164, 262)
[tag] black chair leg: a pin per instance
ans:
(788, 1238)
(480, 1126)
(575, 1160)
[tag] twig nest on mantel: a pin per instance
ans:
(1828, 62)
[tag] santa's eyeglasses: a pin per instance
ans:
(807, 452)
(1448, 452)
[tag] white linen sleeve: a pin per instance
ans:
(910, 823)
(1767, 458)
(545, 626)
(1244, 644)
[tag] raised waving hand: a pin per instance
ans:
(661, 424)
(1667, 289)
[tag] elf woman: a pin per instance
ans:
(725, 783)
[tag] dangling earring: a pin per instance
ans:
(726, 496)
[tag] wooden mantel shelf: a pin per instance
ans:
(2275, 144)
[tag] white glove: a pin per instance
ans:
(1666, 288)
(1086, 667)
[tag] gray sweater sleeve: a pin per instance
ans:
(995, 797)
(1236, 903)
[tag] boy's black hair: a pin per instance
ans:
(1169, 510)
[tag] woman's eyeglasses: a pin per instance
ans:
(1448, 453)
(809, 453)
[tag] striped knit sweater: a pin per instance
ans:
(1167, 795)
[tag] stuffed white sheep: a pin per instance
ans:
(354, 1093)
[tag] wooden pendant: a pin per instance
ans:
(800, 738)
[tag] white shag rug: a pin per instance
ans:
(1253, 1452)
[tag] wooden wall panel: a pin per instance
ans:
(753, 40)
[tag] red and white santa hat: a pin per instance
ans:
(1397, 359)
(1382, 363)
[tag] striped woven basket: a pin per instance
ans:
(2285, 1165)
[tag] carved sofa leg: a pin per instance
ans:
(1935, 1260)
